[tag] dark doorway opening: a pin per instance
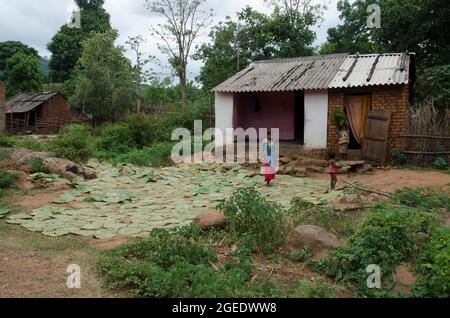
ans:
(299, 124)
(31, 124)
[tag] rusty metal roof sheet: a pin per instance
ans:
(27, 101)
(313, 72)
(373, 69)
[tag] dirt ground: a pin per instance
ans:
(393, 179)
(32, 265)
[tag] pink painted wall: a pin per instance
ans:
(278, 111)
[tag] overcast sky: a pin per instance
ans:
(35, 22)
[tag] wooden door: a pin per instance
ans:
(376, 137)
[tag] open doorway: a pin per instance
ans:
(299, 124)
(356, 108)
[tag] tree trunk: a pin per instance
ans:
(183, 90)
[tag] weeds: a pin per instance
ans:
(257, 223)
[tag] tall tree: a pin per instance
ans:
(66, 45)
(286, 32)
(8, 49)
(104, 79)
(141, 74)
(185, 20)
(24, 73)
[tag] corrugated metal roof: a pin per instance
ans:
(24, 102)
(313, 72)
(373, 69)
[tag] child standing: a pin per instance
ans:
(334, 168)
(268, 159)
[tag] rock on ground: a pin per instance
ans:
(315, 238)
(28, 158)
(210, 219)
(22, 179)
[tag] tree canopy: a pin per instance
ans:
(103, 82)
(66, 45)
(286, 32)
(24, 73)
(8, 49)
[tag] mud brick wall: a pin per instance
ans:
(2, 107)
(384, 98)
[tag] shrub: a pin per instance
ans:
(398, 157)
(6, 179)
(169, 264)
(38, 165)
(317, 289)
(154, 156)
(74, 142)
(299, 256)
(386, 237)
(116, 138)
(256, 222)
(7, 141)
(339, 118)
(440, 163)
(434, 266)
(428, 199)
(32, 144)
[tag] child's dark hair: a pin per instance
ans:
(332, 155)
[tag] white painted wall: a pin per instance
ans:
(224, 111)
(316, 118)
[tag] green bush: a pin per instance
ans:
(169, 264)
(38, 165)
(317, 289)
(74, 142)
(32, 144)
(387, 237)
(257, 223)
(153, 156)
(7, 141)
(428, 199)
(115, 138)
(440, 163)
(300, 256)
(398, 157)
(6, 179)
(434, 266)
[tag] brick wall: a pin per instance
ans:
(2, 107)
(384, 98)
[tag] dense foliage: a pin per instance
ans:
(24, 74)
(104, 80)
(74, 143)
(258, 224)
(8, 49)
(66, 45)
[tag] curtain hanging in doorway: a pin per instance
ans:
(357, 107)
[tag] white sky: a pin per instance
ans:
(34, 22)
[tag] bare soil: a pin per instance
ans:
(394, 179)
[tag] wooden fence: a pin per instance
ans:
(42, 126)
(423, 149)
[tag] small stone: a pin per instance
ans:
(210, 219)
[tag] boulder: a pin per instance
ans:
(58, 186)
(351, 199)
(404, 279)
(28, 158)
(22, 179)
(315, 238)
(65, 168)
(300, 171)
(16, 153)
(89, 174)
(210, 219)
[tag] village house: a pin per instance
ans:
(45, 112)
(300, 95)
